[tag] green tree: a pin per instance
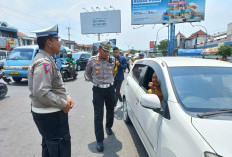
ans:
(225, 51)
(163, 47)
(133, 51)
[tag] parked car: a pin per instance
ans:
(18, 60)
(195, 117)
(81, 59)
(3, 55)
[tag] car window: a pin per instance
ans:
(147, 78)
(203, 89)
(86, 56)
(82, 56)
(3, 55)
(21, 54)
(139, 71)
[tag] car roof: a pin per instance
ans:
(188, 61)
(28, 46)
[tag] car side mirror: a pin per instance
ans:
(150, 101)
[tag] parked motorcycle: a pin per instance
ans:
(68, 71)
(3, 87)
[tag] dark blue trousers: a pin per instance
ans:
(54, 128)
(103, 96)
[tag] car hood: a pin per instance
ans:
(217, 133)
(17, 62)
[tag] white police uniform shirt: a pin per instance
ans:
(46, 85)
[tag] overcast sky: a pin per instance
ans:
(29, 15)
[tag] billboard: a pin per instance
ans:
(166, 11)
(101, 22)
(113, 43)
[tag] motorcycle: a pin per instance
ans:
(3, 87)
(68, 71)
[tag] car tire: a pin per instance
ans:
(78, 67)
(3, 90)
(17, 79)
(126, 117)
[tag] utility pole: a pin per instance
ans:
(195, 45)
(69, 35)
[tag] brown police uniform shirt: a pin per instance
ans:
(100, 71)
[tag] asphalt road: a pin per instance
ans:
(19, 136)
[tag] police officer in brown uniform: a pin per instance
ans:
(50, 101)
(101, 70)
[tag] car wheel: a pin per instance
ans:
(17, 79)
(3, 90)
(79, 67)
(125, 112)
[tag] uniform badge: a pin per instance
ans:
(47, 67)
(97, 68)
(96, 62)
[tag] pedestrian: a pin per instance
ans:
(50, 102)
(141, 55)
(128, 62)
(100, 70)
(119, 76)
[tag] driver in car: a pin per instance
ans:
(155, 87)
(71, 61)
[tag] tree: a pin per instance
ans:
(133, 51)
(163, 46)
(225, 51)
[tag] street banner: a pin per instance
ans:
(166, 11)
(12, 42)
(152, 45)
(101, 22)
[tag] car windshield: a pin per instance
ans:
(203, 89)
(20, 54)
(76, 55)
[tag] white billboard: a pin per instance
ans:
(101, 22)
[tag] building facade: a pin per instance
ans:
(8, 36)
(25, 40)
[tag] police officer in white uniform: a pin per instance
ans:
(101, 70)
(50, 101)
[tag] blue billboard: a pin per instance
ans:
(166, 11)
(113, 43)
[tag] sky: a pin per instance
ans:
(30, 15)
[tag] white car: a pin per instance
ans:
(195, 116)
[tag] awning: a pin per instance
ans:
(189, 52)
(210, 51)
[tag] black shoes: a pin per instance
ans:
(108, 131)
(99, 146)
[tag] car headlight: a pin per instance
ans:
(5, 67)
(209, 154)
